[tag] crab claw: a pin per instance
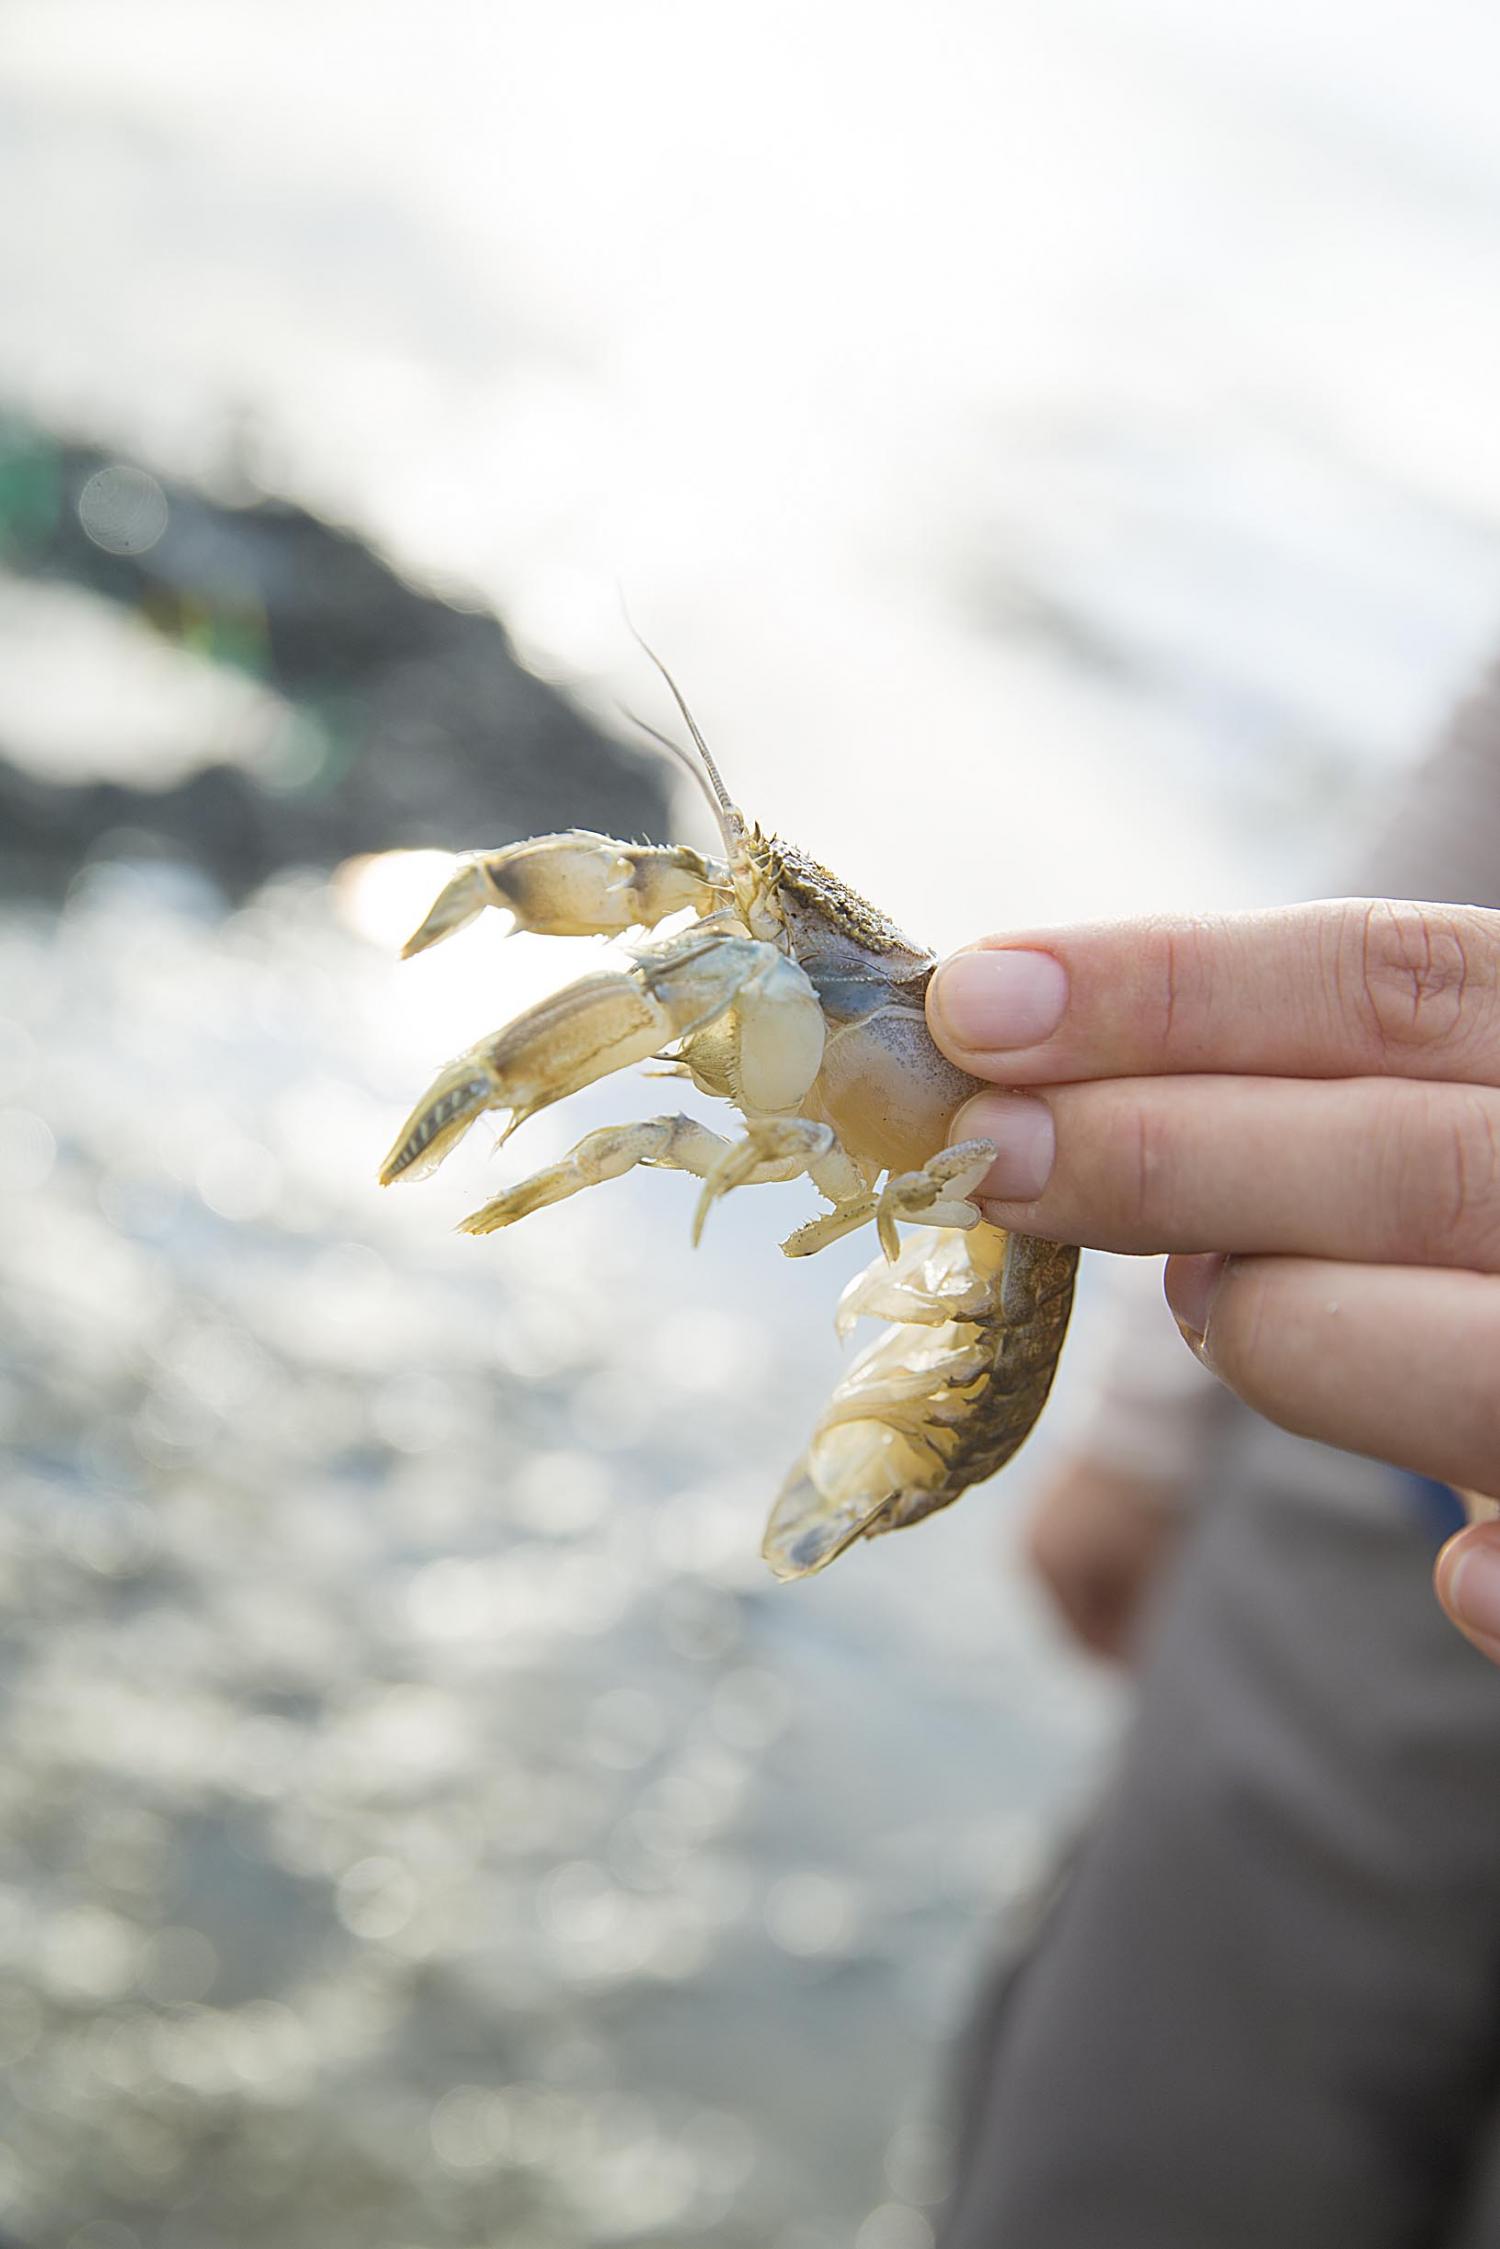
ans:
(440, 1119)
(602, 1023)
(461, 900)
(599, 1024)
(575, 885)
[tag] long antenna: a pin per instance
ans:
(675, 750)
(727, 806)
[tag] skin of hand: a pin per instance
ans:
(1303, 1107)
(1097, 1539)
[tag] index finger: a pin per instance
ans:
(1347, 987)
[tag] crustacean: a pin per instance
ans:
(792, 998)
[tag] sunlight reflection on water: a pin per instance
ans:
(396, 1706)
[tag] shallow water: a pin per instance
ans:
(425, 1820)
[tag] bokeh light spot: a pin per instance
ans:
(92, 1954)
(104, 2233)
(809, 1914)
(624, 1729)
(894, 2225)
(238, 1179)
(123, 509)
(414, 1412)
(463, 2128)
(561, 1493)
(28, 1151)
(383, 895)
(919, 2162)
(376, 1898)
(182, 1966)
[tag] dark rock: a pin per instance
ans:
(422, 726)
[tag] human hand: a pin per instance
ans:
(1303, 1106)
(1097, 1539)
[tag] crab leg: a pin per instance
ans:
(937, 1195)
(772, 1148)
(660, 1143)
(576, 885)
(773, 1151)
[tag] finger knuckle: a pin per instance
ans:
(1172, 966)
(1445, 1176)
(1148, 1171)
(1179, 990)
(1412, 968)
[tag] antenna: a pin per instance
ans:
(731, 824)
(728, 834)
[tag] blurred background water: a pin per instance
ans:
(1054, 447)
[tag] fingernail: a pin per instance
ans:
(1025, 1144)
(988, 1002)
(1472, 1591)
(1192, 1283)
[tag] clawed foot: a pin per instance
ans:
(937, 1195)
(773, 1148)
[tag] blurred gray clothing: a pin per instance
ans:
(1265, 2013)
(1442, 839)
